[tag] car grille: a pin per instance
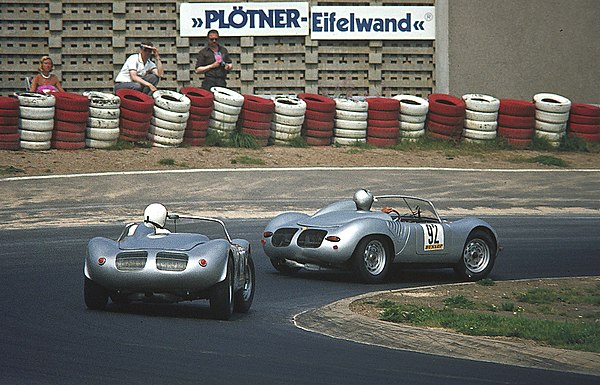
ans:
(131, 261)
(171, 261)
(311, 238)
(283, 237)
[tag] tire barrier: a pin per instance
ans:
(9, 123)
(551, 117)
(70, 121)
(584, 122)
(135, 114)
(318, 125)
(35, 129)
(255, 118)
(445, 119)
(516, 122)
(288, 118)
(102, 129)
(171, 113)
(413, 114)
(226, 111)
(383, 121)
(201, 107)
(350, 123)
(481, 118)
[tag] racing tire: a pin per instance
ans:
(135, 100)
(481, 103)
(478, 256)
(351, 124)
(346, 104)
(227, 96)
(383, 104)
(9, 103)
(221, 296)
(552, 103)
(348, 141)
(282, 267)
(313, 141)
(258, 104)
(95, 296)
(412, 105)
(290, 105)
(316, 102)
(34, 99)
(71, 101)
(371, 259)
(448, 105)
(243, 297)
(351, 115)
(171, 101)
(382, 142)
(102, 100)
(516, 107)
(36, 113)
(481, 116)
(105, 113)
(585, 109)
(199, 97)
(226, 109)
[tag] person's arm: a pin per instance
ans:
(158, 71)
(34, 83)
(57, 84)
(203, 69)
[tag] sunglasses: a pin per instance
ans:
(213, 39)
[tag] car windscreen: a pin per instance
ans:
(211, 229)
(408, 207)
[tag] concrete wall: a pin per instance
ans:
(515, 49)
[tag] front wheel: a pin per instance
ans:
(221, 296)
(96, 296)
(243, 297)
(371, 259)
(478, 256)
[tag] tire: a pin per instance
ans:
(481, 116)
(37, 113)
(227, 96)
(384, 115)
(163, 140)
(103, 100)
(383, 104)
(258, 104)
(286, 128)
(221, 296)
(66, 136)
(288, 120)
(479, 134)
(395, 123)
(551, 117)
(95, 296)
(411, 134)
(105, 134)
(317, 133)
(412, 105)
(551, 127)
(258, 134)
(317, 102)
(256, 125)
(289, 105)
(35, 136)
(102, 123)
(221, 126)
(105, 113)
(135, 116)
(32, 99)
(243, 297)
(36, 125)
(199, 97)
(9, 103)
(284, 135)
(171, 116)
(406, 126)
(351, 124)
(383, 132)
(321, 116)
(448, 105)
(478, 256)
(223, 117)
(515, 121)
(516, 107)
(584, 128)
(9, 120)
(256, 116)
(445, 119)
(480, 125)
(318, 125)
(551, 103)
(71, 101)
(100, 144)
(350, 134)
(166, 133)
(171, 101)
(412, 118)
(135, 100)
(372, 259)
(348, 141)
(282, 267)
(481, 103)
(359, 116)
(585, 109)
(71, 116)
(515, 133)
(35, 146)
(200, 112)
(226, 108)
(346, 104)
(165, 124)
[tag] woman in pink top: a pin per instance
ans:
(45, 81)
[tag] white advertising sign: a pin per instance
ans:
(244, 19)
(372, 23)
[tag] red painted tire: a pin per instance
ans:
(135, 116)
(255, 116)
(516, 107)
(197, 124)
(129, 138)
(66, 136)
(200, 112)
(395, 123)
(9, 129)
(438, 136)
(135, 100)
(586, 137)
(312, 141)
(199, 97)
(256, 125)
(519, 143)
(257, 104)
(12, 137)
(383, 132)
(383, 104)
(131, 135)
(317, 102)
(9, 113)
(515, 121)
(317, 133)
(318, 115)
(384, 115)
(444, 129)
(445, 119)
(195, 133)
(196, 142)
(137, 127)
(584, 119)
(9, 120)
(70, 101)
(59, 145)
(9, 103)
(71, 116)
(381, 142)
(449, 105)
(584, 128)
(259, 134)
(69, 126)
(585, 109)
(318, 125)
(515, 133)
(10, 146)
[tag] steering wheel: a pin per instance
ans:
(391, 211)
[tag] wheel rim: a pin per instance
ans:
(374, 257)
(247, 290)
(476, 255)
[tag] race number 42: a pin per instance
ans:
(433, 236)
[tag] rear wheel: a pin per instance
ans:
(282, 267)
(221, 296)
(96, 296)
(478, 256)
(371, 259)
(243, 297)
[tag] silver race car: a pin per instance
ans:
(403, 229)
(150, 263)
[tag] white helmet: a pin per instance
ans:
(155, 214)
(363, 200)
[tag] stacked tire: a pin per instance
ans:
(383, 123)
(481, 118)
(201, 106)
(255, 118)
(36, 121)
(136, 113)
(413, 114)
(70, 121)
(9, 123)
(516, 122)
(317, 128)
(445, 119)
(171, 112)
(227, 106)
(288, 119)
(350, 124)
(551, 117)
(102, 129)
(584, 122)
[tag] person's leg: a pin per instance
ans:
(210, 82)
(128, 85)
(152, 79)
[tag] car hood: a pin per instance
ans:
(176, 242)
(339, 218)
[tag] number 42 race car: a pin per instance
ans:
(408, 230)
(152, 264)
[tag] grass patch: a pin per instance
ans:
(243, 140)
(247, 160)
(127, 145)
(299, 142)
(4, 170)
(167, 162)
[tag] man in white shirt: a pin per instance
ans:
(139, 72)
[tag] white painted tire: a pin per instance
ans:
(412, 105)
(177, 117)
(284, 135)
(351, 124)
(105, 113)
(226, 108)
(346, 104)
(34, 99)
(286, 128)
(35, 146)
(171, 101)
(106, 134)
(351, 115)
(223, 117)
(550, 127)
(481, 116)
(103, 123)
(103, 100)
(348, 141)
(351, 134)
(287, 119)
(407, 126)
(174, 142)
(35, 136)
(227, 96)
(550, 136)
(551, 102)
(481, 103)
(551, 117)
(481, 126)
(289, 105)
(411, 134)
(478, 134)
(36, 113)
(99, 144)
(222, 126)
(413, 118)
(165, 133)
(36, 125)
(168, 125)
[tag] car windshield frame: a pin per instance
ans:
(409, 207)
(178, 220)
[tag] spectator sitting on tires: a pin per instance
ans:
(45, 81)
(214, 62)
(139, 72)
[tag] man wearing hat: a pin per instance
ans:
(139, 72)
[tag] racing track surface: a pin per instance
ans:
(49, 337)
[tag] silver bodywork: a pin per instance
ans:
(144, 264)
(328, 238)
